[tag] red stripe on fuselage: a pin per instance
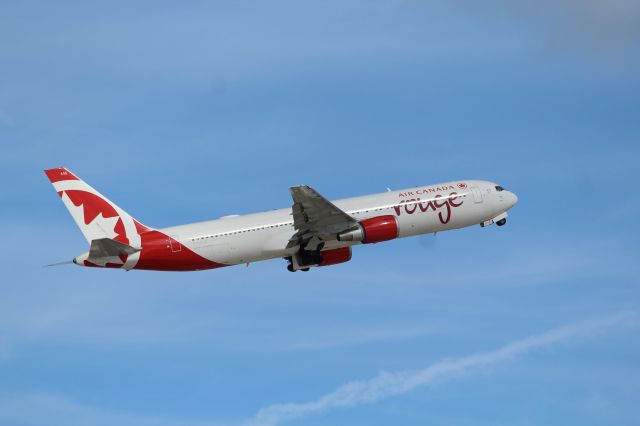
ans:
(162, 253)
(108, 265)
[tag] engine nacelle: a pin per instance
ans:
(373, 230)
(335, 256)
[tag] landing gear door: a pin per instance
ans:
(477, 195)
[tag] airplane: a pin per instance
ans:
(313, 232)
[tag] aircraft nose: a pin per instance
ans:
(512, 199)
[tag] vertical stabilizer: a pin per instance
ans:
(96, 216)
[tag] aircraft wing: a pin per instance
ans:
(315, 216)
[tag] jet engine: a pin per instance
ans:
(335, 256)
(372, 230)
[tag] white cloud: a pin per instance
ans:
(388, 384)
(49, 408)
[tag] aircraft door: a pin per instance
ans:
(477, 195)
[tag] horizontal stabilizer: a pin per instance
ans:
(106, 250)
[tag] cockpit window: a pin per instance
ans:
(499, 188)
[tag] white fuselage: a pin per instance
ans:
(420, 210)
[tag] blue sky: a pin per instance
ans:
(192, 110)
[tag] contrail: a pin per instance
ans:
(387, 384)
